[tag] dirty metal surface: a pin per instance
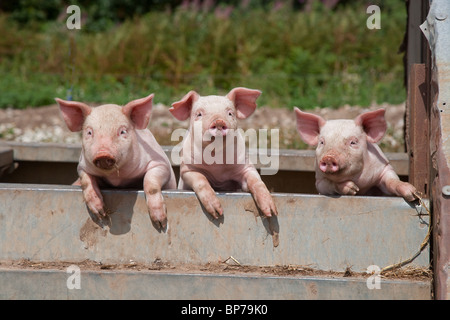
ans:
(51, 223)
(52, 284)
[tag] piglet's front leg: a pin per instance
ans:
(205, 193)
(325, 186)
(347, 188)
(392, 184)
(259, 191)
(91, 194)
(154, 179)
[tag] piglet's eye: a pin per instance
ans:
(122, 131)
(198, 114)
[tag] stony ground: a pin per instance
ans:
(44, 124)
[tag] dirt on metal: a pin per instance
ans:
(229, 266)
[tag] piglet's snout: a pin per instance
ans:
(218, 127)
(105, 161)
(328, 164)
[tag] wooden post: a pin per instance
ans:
(417, 129)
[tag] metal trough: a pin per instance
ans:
(51, 223)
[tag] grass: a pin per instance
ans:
(321, 58)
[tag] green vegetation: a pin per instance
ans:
(321, 58)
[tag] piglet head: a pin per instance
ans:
(341, 144)
(108, 131)
(216, 114)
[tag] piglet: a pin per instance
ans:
(119, 151)
(348, 160)
(213, 119)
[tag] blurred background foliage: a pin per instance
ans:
(305, 53)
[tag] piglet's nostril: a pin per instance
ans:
(105, 162)
(329, 165)
(218, 124)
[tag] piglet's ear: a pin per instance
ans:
(74, 113)
(308, 126)
(182, 109)
(244, 100)
(373, 123)
(139, 111)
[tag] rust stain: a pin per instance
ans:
(90, 233)
(276, 239)
(188, 205)
(312, 290)
(250, 206)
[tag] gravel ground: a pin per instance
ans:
(44, 124)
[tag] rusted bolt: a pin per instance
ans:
(441, 16)
(446, 190)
